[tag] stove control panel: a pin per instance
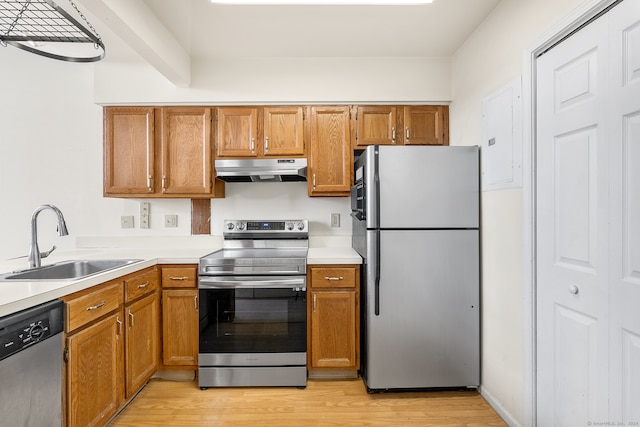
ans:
(266, 227)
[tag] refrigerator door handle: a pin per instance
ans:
(376, 183)
(376, 289)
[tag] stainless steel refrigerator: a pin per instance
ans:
(416, 221)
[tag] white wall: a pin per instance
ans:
(51, 136)
(281, 80)
(491, 58)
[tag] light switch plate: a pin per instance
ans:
(126, 221)
(335, 220)
(145, 214)
(170, 221)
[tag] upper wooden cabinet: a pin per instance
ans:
(376, 125)
(426, 125)
(186, 150)
(260, 132)
(398, 125)
(159, 152)
(236, 131)
(129, 151)
(330, 155)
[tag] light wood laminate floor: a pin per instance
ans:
(322, 403)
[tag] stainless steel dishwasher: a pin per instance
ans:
(31, 366)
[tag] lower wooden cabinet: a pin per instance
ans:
(179, 317)
(112, 346)
(180, 328)
(334, 319)
(95, 387)
(142, 342)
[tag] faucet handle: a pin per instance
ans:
(47, 253)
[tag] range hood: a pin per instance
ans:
(261, 170)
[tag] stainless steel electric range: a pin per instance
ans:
(253, 306)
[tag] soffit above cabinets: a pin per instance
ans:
(171, 35)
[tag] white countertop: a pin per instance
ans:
(16, 296)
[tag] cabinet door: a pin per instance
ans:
(186, 150)
(180, 327)
(284, 132)
(333, 330)
(128, 150)
(426, 125)
(376, 125)
(237, 132)
(330, 160)
(95, 388)
(142, 342)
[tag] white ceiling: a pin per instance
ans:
(200, 30)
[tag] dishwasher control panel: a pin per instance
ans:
(25, 328)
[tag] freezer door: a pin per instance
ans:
(422, 187)
(427, 330)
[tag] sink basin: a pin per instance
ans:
(67, 270)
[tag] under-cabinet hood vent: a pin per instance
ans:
(261, 170)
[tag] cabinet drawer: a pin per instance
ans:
(179, 277)
(141, 284)
(333, 277)
(86, 308)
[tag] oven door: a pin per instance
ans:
(252, 321)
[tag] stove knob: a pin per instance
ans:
(230, 225)
(301, 226)
(289, 226)
(240, 226)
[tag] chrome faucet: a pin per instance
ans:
(34, 252)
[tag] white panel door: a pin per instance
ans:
(572, 228)
(588, 224)
(624, 119)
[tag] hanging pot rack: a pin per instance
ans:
(44, 28)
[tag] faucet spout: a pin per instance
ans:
(34, 252)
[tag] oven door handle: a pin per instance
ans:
(207, 282)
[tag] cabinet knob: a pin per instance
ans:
(573, 289)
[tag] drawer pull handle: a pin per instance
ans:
(143, 285)
(334, 278)
(178, 278)
(119, 322)
(195, 302)
(131, 317)
(97, 306)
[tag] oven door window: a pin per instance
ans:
(253, 320)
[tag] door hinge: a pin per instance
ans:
(65, 355)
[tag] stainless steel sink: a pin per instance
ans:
(67, 270)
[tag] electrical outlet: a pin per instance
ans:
(170, 221)
(335, 220)
(145, 214)
(126, 221)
